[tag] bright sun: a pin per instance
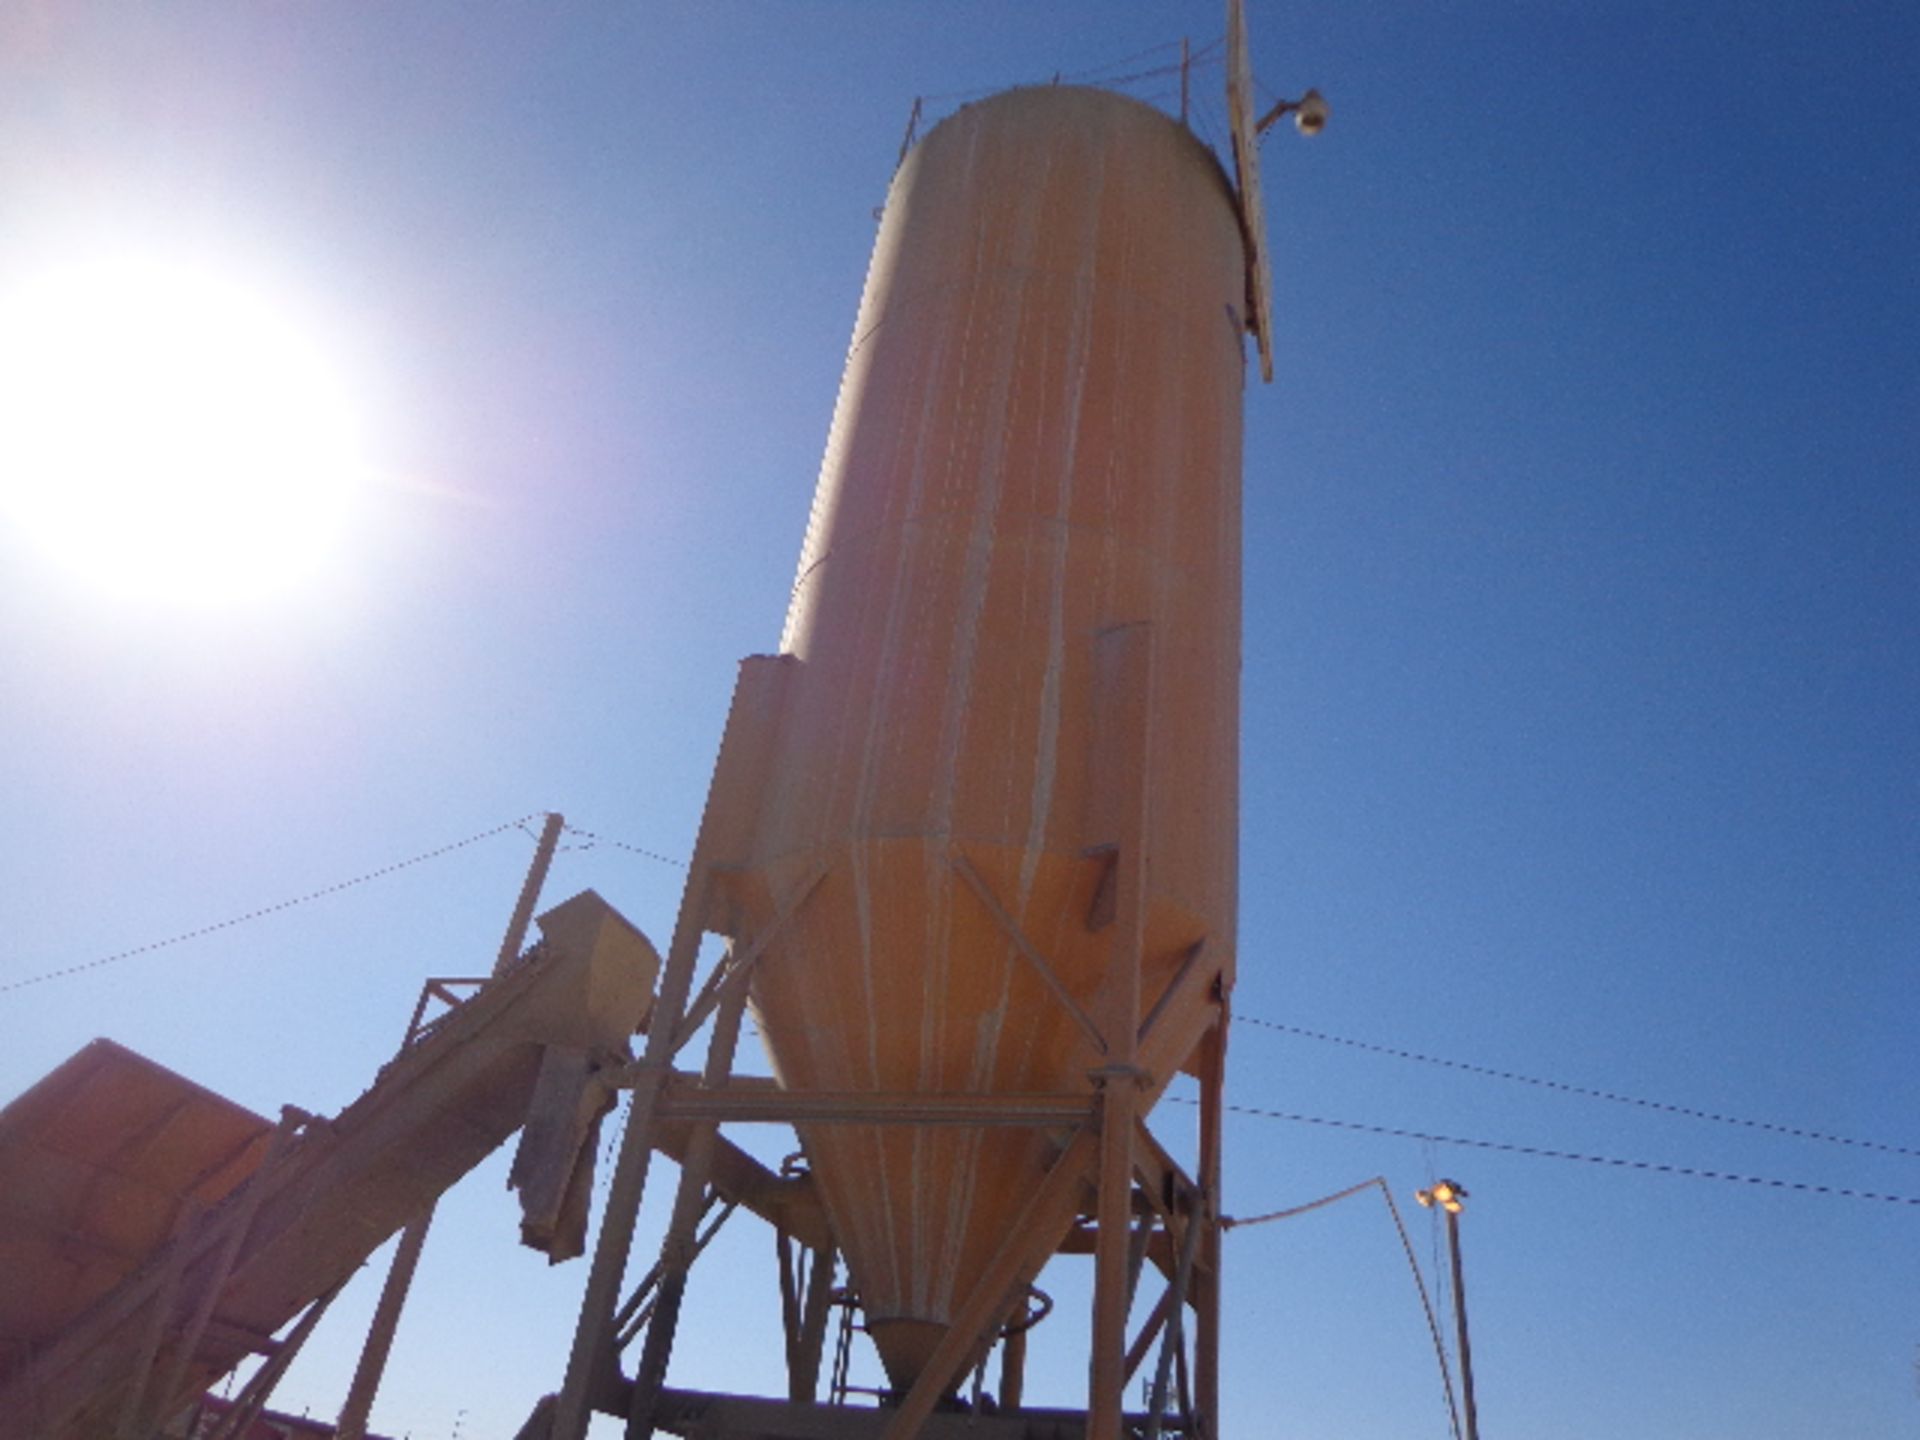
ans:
(171, 435)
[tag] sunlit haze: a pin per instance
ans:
(1579, 666)
(171, 436)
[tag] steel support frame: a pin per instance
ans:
(367, 1375)
(206, 1244)
(222, 1231)
(254, 1395)
(1108, 1164)
(593, 1371)
(806, 1303)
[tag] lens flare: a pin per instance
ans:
(171, 435)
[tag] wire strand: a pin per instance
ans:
(263, 910)
(1692, 1172)
(1566, 1088)
(592, 838)
(1093, 75)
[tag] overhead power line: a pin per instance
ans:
(1565, 1088)
(1690, 1172)
(265, 910)
(594, 839)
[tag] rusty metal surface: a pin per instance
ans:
(336, 1192)
(96, 1160)
(1037, 440)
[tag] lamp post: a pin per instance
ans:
(1449, 1195)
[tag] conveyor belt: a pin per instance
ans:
(125, 1298)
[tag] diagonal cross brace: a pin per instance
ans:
(1026, 949)
(734, 972)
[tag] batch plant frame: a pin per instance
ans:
(1109, 1168)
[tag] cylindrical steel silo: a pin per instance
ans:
(1037, 440)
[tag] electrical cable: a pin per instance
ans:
(1115, 81)
(1465, 1067)
(1228, 1222)
(1209, 121)
(1093, 76)
(1506, 1147)
(1566, 1088)
(592, 838)
(1563, 1087)
(264, 910)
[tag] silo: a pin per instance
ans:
(1036, 445)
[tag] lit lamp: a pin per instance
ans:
(1309, 114)
(1449, 1195)
(1446, 1194)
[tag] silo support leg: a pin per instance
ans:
(1206, 1337)
(679, 1248)
(738, 775)
(806, 1296)
(1013, 1366)
(1118, 1106)
(593, 1354)
(594, 1359)
(1123, 660)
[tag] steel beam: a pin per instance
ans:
(856, 1107)
(1124, 699)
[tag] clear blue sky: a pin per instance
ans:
(1581, 671)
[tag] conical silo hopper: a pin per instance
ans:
(1037, 441)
